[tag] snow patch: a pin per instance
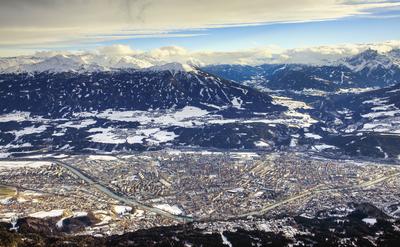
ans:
(48, 214)
(168, 208)
(313, 136)
(102, 157)
(370, 221)
(261, 144)
(122, 210)
(23, 164)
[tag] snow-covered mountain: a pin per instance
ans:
(368, 69)
(371, 60)
(168, 105)
(74, 63)
(366, 124)
(367, 61)
(94, 102)
(159, 87)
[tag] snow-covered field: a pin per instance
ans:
(168, 208)
(121, 210)
(19, 117)
(19, 164)
(182, 118)
(102, 157)
(370, 221)
(48, 214)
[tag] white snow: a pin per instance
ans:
(370, 221)
(258, 194)
(118, 136)
(60, 223)
(135, 139)
(106, 135)
(384, 107)
(374, 115)
(28, 131)
(23, 164)
(6, 217)
(225, 241)
(48, 214)
(291, 118)
(289, 103)
(78, 124)
(384, 153)
(320, 147)
(122, 210)
(182, 117)
(102, 157)
(189, 112)
(355, 90)
(79, 214)
(163, 136)
(4, 155)
(73, 62)
(313, 136)
(15, 116)
(168, 208)
(261, 144)
(293, 142)
(6, 201)
(237, 102)
(236, 190)
(376, 101)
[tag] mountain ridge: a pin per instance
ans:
(97, 62)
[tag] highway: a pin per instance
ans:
(127, 201)
(181, 218)
(311, 192)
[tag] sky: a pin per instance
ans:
(29, 26)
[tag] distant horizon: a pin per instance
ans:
(316, 55)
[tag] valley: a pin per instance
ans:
(106, 154)
(122, 193)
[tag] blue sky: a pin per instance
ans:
(27, 26)
(285, 35)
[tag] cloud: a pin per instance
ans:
(169, 52)
(272, 54)
(329, 53)
(27, 23)
(116, 50)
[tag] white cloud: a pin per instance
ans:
(107, 55)
(274, 54)
(116, 50)
(27, 23)
(271, 54)
(169, 52)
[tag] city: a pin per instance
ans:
(170, 187)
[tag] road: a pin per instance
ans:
(181, 218)
(314, 191)
(127, 201)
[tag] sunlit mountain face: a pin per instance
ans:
(199, 123)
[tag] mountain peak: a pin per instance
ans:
(368, 60)
(395, 53)
(369, 53)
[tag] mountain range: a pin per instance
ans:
(366, 69)
(92, 103)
